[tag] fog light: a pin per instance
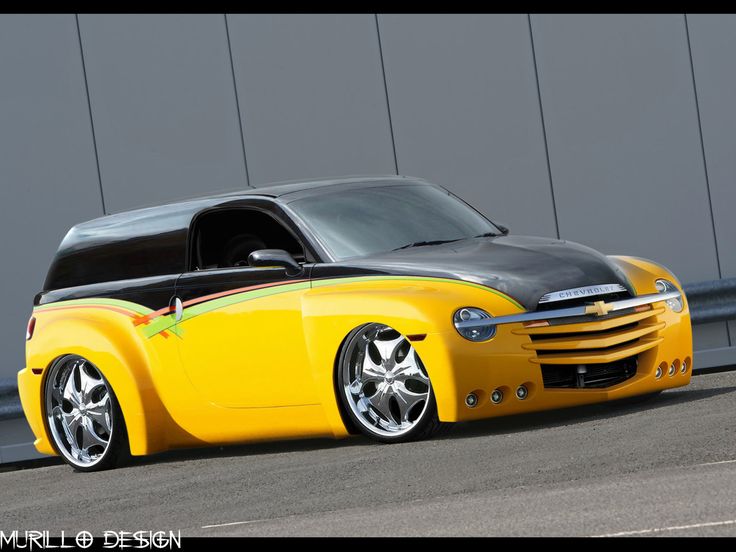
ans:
(683, 368)
(521, 392)
(496, 396)
(471, 400)
(658, 373)
(673, 368)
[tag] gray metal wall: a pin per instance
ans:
(614, 130)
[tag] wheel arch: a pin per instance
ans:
(111, 344)
(412, 308)
(347, 422)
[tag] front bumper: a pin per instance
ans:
(641, 330)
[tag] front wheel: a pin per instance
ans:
(84, 417)
(384, 388)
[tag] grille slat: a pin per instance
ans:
(592, 357)
(592, 352)
(594, 340)
(588, 325)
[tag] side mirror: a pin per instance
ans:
(275, 257)
(502, 227)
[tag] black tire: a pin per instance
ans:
(425, 426)
(117, 452)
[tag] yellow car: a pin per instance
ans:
(380, 305)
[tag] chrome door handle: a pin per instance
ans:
(178, 309)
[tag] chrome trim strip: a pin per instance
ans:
(578, 292)
(571, 311)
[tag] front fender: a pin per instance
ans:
(412, 307)
(643, 273)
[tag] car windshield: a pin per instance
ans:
(364, 221)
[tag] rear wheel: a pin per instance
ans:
(384, 388)
(83, 415)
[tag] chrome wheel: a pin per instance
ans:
(384, 381)
(79, 411)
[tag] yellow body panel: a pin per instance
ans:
(259, 352)
(262, 366)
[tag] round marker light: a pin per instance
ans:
(522, 392)
(471, 400)
(496, 396)
(665, 286)
(683, 368)
(658, 373)
(471, 315)
(673, 368)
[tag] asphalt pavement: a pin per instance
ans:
(665, 467)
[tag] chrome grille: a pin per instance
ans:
(592, 352)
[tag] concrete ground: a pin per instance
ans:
(664, 467)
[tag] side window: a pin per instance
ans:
(225, 238)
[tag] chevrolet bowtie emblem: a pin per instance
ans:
(601, 308)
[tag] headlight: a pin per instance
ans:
(665, 286)
(472, 314)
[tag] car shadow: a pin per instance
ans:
(252, 449)
(581, 414)
(493, 426)
(31, 464)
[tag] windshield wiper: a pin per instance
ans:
(488, 235)
(421, 243)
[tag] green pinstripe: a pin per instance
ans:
(128, 305)
(168, 321)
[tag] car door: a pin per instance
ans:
(240, 334)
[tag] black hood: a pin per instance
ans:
(523, 267)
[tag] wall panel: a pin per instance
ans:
(163, 105)
(48, 178)
(622, 130)
(713, 43)
(311, 96)
(617, 95)
(465, 112)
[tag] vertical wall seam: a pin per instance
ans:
(385, 89)
(237, 102)
(705, 162)
(91, 120)
(544, 126)
(702, 145)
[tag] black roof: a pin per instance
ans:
(154, 238)
(281, 189)
(275, 190)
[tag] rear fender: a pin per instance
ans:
(109, 341)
